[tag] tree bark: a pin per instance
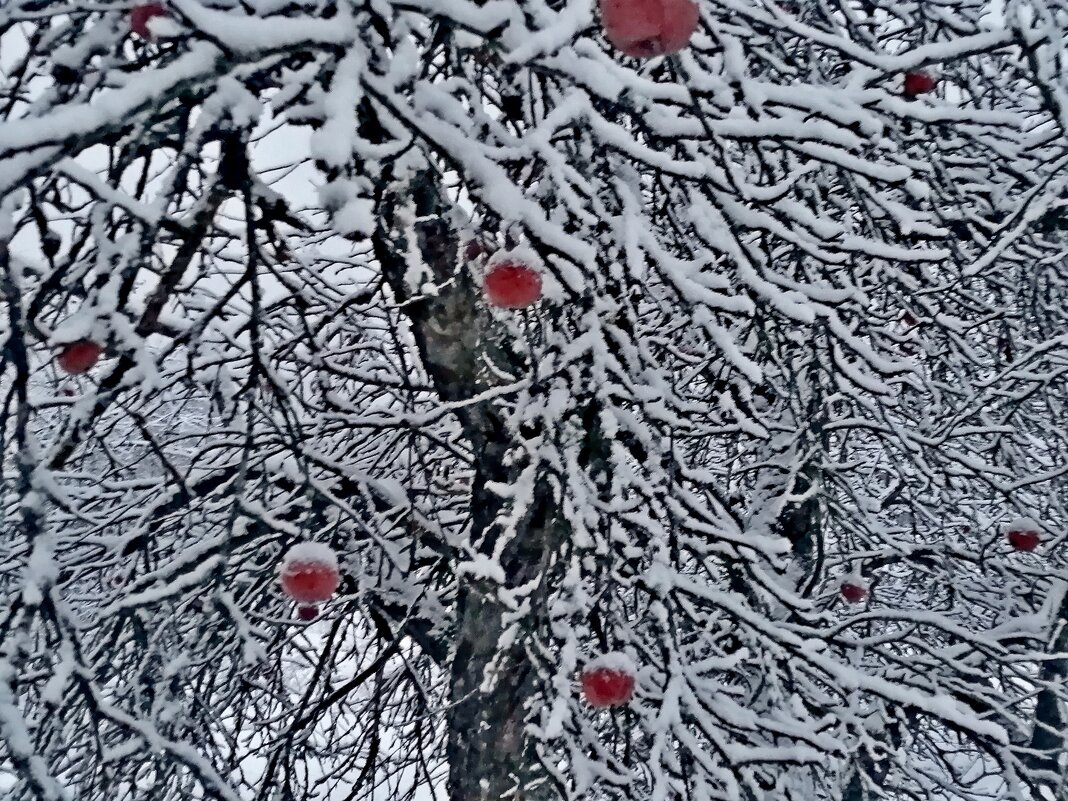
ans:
(1048, 737)
(488, 754)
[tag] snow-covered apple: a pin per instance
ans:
(512, 285)
(310, 573)
(1023, 534)
(853, 591)
(79, 357)
(647, 28)
(918, 83)
(142, 14)
(608, 680)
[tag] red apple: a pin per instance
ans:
(512, 285)
(307, 612)
(918, 83)
(608, 680)
(647, 28)
(140, 15)
(79, 357)
(853, 593)
(1023, 540)
(1023, 533)
(604, 687)
(310, 573)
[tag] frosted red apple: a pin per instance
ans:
(512, 285)
(918, 83)
(647, 28)
(310, 573)
(608, 680)
(140, 16)
(1024, 540)
(1023, 534)
(853, 592)
(603, 687)
(79, 357)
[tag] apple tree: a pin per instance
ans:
(666, 379)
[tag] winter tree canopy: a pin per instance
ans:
(538, 401)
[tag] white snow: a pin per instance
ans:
(310, 552)
(1022, 524)
(613, 660)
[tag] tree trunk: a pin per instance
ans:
(1048, 737)
(488, 755)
